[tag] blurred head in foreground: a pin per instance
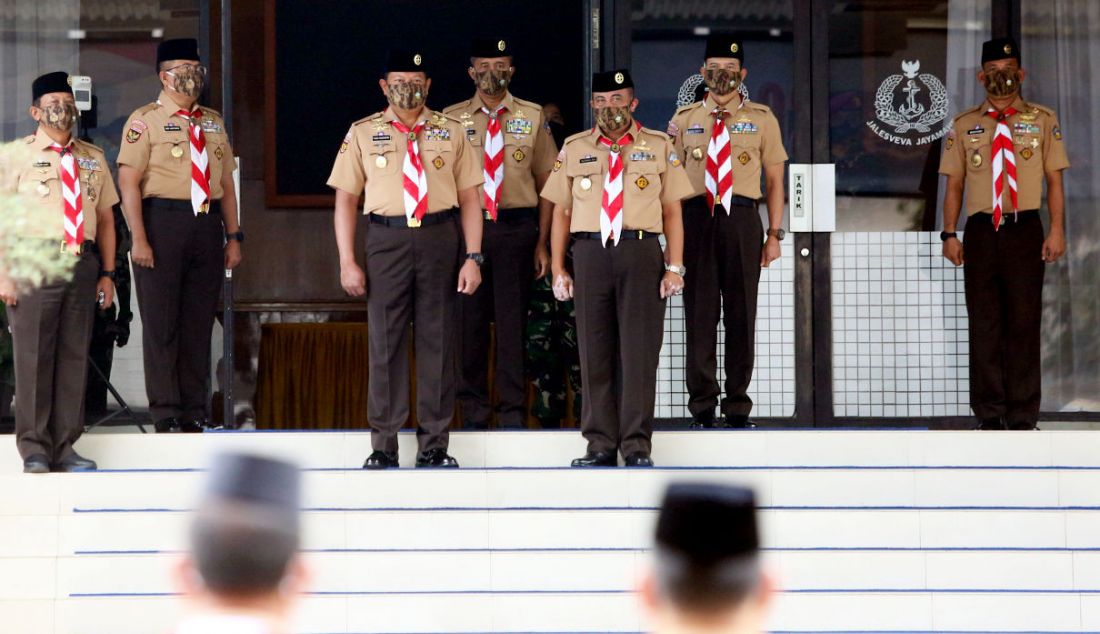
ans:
(706, 575)
(244, 541)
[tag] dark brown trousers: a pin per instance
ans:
(51, 327)
(412, 276)
(620, 329)
(722, 256)
(1004, 302)
(502, 299)
(178, 298)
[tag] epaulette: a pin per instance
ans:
(462, 105)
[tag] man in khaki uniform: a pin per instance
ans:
(176, 175)
(414, 168)
(616, 189)
(1010, 147)
(513, 144)
(724, 245)
(72, 189)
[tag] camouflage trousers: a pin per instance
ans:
(552, 355)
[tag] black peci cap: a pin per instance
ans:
(1000, 48)
(608, 81)
(706, 523)
(50, 82)
(405, 61)
(185, 48)
(255, 480)
(725, 45)
(490, 47)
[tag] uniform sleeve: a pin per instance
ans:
(676, 133)
(134, 149)
(347, 172)
(675, 184)
(229, 161)
(1054, 150)
(544, 149)
(468, 166)
(772, 151)
(559, 187)
(951, 163)
(108, 194)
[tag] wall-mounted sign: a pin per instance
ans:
(910, 107)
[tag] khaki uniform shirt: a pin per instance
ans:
(371, 157)
(755, 142)
(40, 181)
(652, 176)
(155, 141)
(1037, 143)
(528, 146)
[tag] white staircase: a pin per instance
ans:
(867, 531)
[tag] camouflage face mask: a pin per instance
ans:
(407, 95)
(493, 82)
(721, 81)
(613, 118)
(1002, 83)
(60, 116)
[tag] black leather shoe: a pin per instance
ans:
(472, 425)
(381, 460)
(989, 424)
(74, 462)
(167, 425)
(597, 459)
(638, 459)
(1021, 426)
(192, 426)
(704, 420)
(740, 421)
(435, 459)
(37, 463)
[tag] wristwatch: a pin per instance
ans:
(108, 274)
(477, 258)
(947, 235)
(238, 236)
(679, 270)
(778, 233)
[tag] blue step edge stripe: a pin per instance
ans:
(484, 509)
(675, 468)
(385, 593)
(839, 549)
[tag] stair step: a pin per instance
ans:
(339, 449)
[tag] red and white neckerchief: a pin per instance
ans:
(611, 216)
(493, 170)
(719, 172)
(1004, 162)
(70, 192)
(416, 180)
(200, 161)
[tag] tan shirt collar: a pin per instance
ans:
(508, 102)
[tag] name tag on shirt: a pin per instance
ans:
(695, 129)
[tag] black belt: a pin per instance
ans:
(741, 201)
(1025, 214)
(172, 204)
(628, 234)
(403, 222)
(88, 246)
(519, 214)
